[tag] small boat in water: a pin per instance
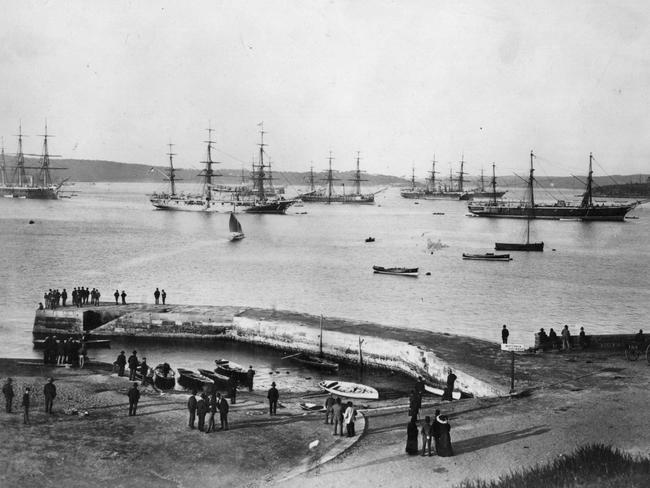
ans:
(236, 232)
(232, 369)
(219, 379)
(349, 390)
(313, 361)
(488, 256)
(192, 379)
(396, 271)
(164, 377)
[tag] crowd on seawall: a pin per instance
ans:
(53, 298)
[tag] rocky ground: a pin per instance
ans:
(574, 399)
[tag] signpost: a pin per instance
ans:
(513, 348)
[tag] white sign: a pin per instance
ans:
(513, 347)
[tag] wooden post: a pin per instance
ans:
(512, 373)
(360, 354)
(320, 336)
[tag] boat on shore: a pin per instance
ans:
(396, 271)
(22, 185)
(232, 370)
(349, 390)
(585, 210)
(192, 379)
(219, 379)
(488, 256)
(164, 377)
(456, 395)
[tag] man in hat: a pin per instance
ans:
(117, 296)
(49, 392)
(156, 296)
(191, 407)
(123, 295)
(8, 392)
(134, 397)
(202, 407)
(222, 405)
(504, 334)
(273, 396)
(163, 295)
(133, 365)
(121, 363)
(250, 374)
(25, 405)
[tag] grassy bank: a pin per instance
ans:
(595, 466)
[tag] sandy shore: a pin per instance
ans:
(576, 399)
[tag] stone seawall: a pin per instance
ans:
(347, 341)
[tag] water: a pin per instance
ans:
(109, 237)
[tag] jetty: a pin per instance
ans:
(481, 369)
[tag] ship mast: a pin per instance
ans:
(530, 187)
(20, 160)
(357, 176)
(260, 169)
(413, 178)
(207, 174)
(311, 179)
(330, 179)
(432, 180)
(494, 184)
(172, 171)
(586, 199)
(3, 168)
(44, 171)
(460, 174)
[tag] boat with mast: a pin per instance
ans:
(434, 190)
(585, 210)
(480, 191)
(328, 195)
(22, 185)
(234, 226)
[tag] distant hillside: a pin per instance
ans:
(627, 190)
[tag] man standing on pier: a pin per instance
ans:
(504, 334)
(273, 397)
(250, 374)
(163, 295)
(191, 406)
(117, 296)
(133, 365)
(202, 410)
(156, 296)
(8, 392)
(222, 404)
(49, 392)
(121, 363)
(134, 397)
(566, 338)
(123, 295)
(64, 296)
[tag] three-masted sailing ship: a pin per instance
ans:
(328, 195)
(585, 210)
(23, 185)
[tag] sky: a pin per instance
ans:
(400, 81)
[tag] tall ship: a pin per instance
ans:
(255, 198)
(585, 210)
(328, 195)
(481, 192)
(23, 185)
(436, 189)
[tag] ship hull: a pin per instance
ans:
(351, 199)
(513, 246)
(199, 204)
(553, 212)
(433, 195)
(36, 193)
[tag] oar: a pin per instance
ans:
(291, 356)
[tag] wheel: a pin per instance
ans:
(632, 354)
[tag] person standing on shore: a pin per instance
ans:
(133, 365)
(214, 406)
(426, 435)
(202, 410)
(163, 295)
(412, 437)
(49, 392)
(250, 375)
(222, 404)
(156, 296)
(273, 396)
(329, 405)
(552, 338)
(134, 398)
(435, 431)
(64, 296)
(337, 416)
(123, 295)
(121, 363)
(8, 392)
(232, 389)
(349, 417)
(445, 449)
(117, 296)
(25, 406)
(191, 407)
(504, 334)
(451, 379)
(566, 338)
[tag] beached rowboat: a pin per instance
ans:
(219, 379)
(191, 379)
(349, 390)
(164, 377)
(232, 370)
(439, 392)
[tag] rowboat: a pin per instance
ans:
(312, 407)
(396, 271)
(164, 377)
(488, 256)
(219, 379)
(349, 390)
(439, 392)
(313, 361)
(232, 370)
(191, 379)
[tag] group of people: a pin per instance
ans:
(65, 351)
(158, 295)
(49, 393)
(340, 415)
(119, 295)
(53, 299)
(199, 405)
(438, 431)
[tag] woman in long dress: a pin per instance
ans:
(412, 437)
(444, 445)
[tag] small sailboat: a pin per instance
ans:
(235, 228)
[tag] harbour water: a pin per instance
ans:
(315, 260)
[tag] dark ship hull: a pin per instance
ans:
(552, 212)
(32, 192)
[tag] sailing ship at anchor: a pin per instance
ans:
(328, 195)
(22, 185)
(222, 198)
(585, 210)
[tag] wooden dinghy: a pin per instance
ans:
(439, 392)
(192, 379)
(396, 271)
(312, 407)
(488, 256)
(232, 369)
(219, 379)
(349, 390)
(164, 377)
